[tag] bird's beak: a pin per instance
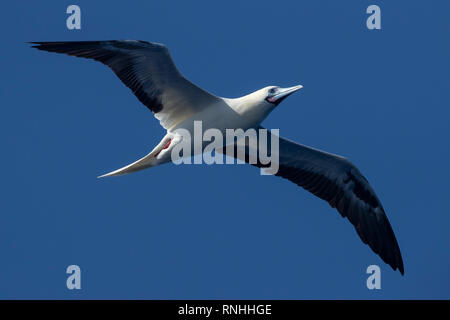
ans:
(283, 93)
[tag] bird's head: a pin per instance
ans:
(256, 106)
(275, 95)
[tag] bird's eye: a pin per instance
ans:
(272, 91)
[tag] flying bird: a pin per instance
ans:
(148, 70)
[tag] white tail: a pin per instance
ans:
(150, 160)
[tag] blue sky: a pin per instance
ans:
(380, 98)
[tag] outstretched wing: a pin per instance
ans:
(148, 70)
(337, 181)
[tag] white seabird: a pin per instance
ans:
(148, 70)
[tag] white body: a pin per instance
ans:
(238, 113)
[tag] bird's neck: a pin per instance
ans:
(253, 110)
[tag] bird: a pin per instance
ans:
(149, 71)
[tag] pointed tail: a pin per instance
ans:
(150, 160)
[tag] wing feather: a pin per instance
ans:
(148, 70)
(339, 182)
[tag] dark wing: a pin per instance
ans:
(148, 70)
(337, 181)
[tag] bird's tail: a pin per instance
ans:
(150, 160)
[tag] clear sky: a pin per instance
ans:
(379, 97)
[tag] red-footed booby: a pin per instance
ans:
(148, 70)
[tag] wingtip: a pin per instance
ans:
(397, 264)
(398, 267)
(34, 44)
(402, 270)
